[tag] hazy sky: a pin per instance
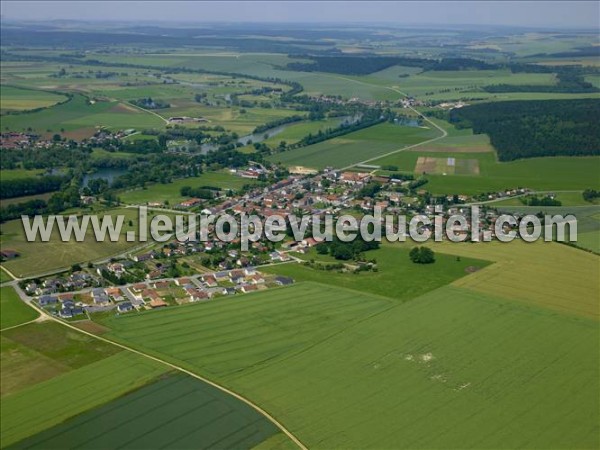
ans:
(521, 13)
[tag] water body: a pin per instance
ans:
(271, 132)
(107, 174)
(408, 122)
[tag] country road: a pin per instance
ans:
(408, 147)
(47, 316)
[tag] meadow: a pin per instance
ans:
(38, 257)
(12, 310)
(397, 276)
(171, 192)
(204, 416)
(354, 147)
(16, 99)
(311, 353)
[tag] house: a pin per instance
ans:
(210, 281)
(115, 293)
(46, 300)
(191, 202)
(116, 268)
(197, 295)
(157, 303)
(161, 284)
(284, 281)
(223, 275)
(101, 300)
(151, 294)
(248, 288)
(255, 279)
(249, 271)
(183, 281)
(124, 307)
(142, 257)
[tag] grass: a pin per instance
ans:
(545, 174)
(51, 402)
(4, 276)
(343, 368)
(397, 276)
(16, 99)
(38, 257)
(204, 416)
(15, 174)
(354, 147)
(12, 310)
(171, 192)
(547, 274)
(78, 115)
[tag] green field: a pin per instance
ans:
(343, 368)
(12, 310)
(171, 192)
(397, 276)
(37, 257)
(82, 119)
(204, 417)
(15, 99)
(50, 402)
(354, 147)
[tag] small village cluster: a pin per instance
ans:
(154, 294)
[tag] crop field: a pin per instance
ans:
(588, 221)
(37, 257)
(296, 131)
(438, 357)
(544, 174)
(397, 276)
(354, 147)
(77, 115)
(446, 166)
(15, 99)
(49, 403)
(171, 192)
(204, 416)
(12, 310)
(542, 273)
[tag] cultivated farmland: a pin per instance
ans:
(442, 362)
(204, 416)
(49, 403)
(355, 147)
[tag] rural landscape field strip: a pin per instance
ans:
(48, 403)
(225, 326)
(176, 411)
(412, 347)
(13, 312)
(542, 273)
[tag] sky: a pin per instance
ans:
(563, 14)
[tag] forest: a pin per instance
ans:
(527, 129)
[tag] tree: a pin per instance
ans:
(422, 255)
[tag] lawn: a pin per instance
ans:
(204, 416)
(171, 192)
(355, 147)
(397, 276)
(454, 368)
(13, 311)
(49, 403)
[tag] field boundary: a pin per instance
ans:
(272, 419)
